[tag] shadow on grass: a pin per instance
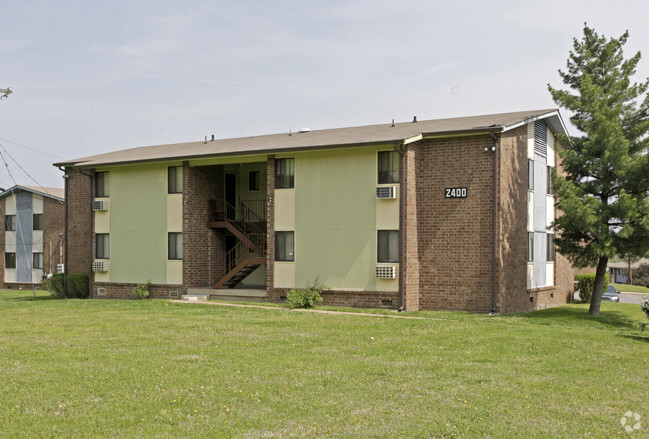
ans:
(31, 298)
(578, 314)
(644, 338)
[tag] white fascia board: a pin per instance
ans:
(413, 139)
(554, 120)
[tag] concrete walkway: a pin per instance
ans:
(319, 311)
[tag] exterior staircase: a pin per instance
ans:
(249, 226)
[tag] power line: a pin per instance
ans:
(32, 149)
(21, 168)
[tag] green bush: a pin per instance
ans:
(78, 286)
(641, 275)
(305, 297)
(585, 284)
(55, 285)
(142, 291)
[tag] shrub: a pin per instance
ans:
(142, 291)
(641, 275)
(585, 284)
(305, 297)
(78, 286)
(644, 305)
(54, 285)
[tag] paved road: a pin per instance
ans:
(624, 297)
(630, 298)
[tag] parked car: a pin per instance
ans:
(611, 294)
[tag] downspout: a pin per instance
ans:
(494, 268)
(402, 223)
(65, 266)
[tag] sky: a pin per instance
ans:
(91, 77)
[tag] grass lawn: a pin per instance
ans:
(631, 288)
(153, 368)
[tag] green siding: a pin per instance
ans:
(335, 218)
(138, 224)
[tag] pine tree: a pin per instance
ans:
(602, 192)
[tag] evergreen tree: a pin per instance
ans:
(602, 192)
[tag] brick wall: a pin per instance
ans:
(455, 236)
(79, 231)
(410, 260)
(53, 227)
(203, 248)
(356, 299)
(125, 291)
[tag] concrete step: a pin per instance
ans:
(230, 294)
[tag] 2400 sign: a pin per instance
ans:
(455, 192)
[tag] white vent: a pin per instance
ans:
(386, 192)
(173, 294)
(100, 266)
(101, 291)
(60, 268)
(98, 205)
(386, 272)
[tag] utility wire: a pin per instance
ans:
(32, 149)
(22, 169)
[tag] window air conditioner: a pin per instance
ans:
(98, 205)
(386, 272)
(100, 266)
(386, 192)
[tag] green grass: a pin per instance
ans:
(153, 368)
(631, 288)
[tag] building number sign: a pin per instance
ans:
(455, 192)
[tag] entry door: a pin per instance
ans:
(231, 195)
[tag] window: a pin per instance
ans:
(551, 251)
(388, 246)
(284, 173)
(38, 221)
(253, 180)
(102, 249)
(530, 247)
(101, 184)
(530, 175)
(175, 245)
(284, 246)
(10, 222)
(175, 180)
(550, 191)
(38, 260)
(388, 167)
(10, 260)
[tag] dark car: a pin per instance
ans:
(611, 294)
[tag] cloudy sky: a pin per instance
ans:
(91, 77)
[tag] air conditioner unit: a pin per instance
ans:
(100, 266)
(99, 205)
(386, 192)
(386, 272)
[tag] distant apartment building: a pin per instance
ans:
(32, 242)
